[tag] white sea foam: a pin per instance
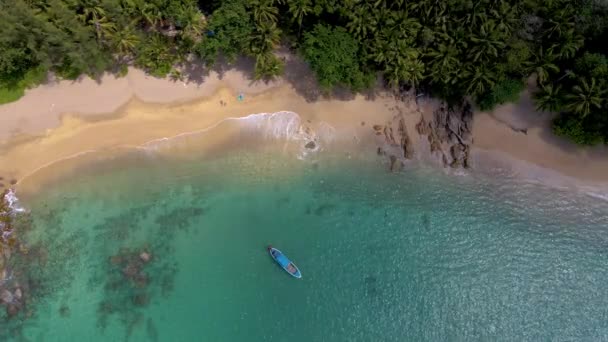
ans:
(13, 202)
(282, 125)
(599, 195)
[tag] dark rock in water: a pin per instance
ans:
(141, 299)
(141, 280)
(106, 307)
(12, 310)
(145, 256)
(426, 220)
(370, 286)
(116, 259)
(362, 123)
(64, 311)
(324, 209)
(13, 181)
(310, 145)
(378, 128)
(130, 270)
(380, 151)
(6, 296)
(393, 160)
(18, 293)
(460, 155)
(151, 330)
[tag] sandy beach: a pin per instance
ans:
(66, 119)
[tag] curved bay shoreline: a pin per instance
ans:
(66, 119)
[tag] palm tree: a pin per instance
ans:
(488, 41)
(267, 65)
(566, 48)
(191, 23)
(361, 23)
(125, 40)
(96, 15)
(404, 69)
(92, 12)
(405, 25)
(560, 21)
(265, 38)
(585, 96)
(549, 98)
(506, 17)
(480, 79)
(299, 9)
(445, 65)
(264, 11)
(543, 65)
(145, 11)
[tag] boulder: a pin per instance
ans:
(6, 296)
(393, 160)
(64, 311)
(423, 127)
(130, 270)
(310, 145)
(12, 310)
(459, 154)
(141, 299)
(406, 142)
(145, 256)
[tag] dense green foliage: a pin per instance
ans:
(482, 49)
(334, 56)
(503, 92)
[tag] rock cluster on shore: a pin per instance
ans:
(11, 292)
(398, 145)
(449, 133)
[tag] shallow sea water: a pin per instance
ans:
(419, 255)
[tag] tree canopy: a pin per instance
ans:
(484, 50)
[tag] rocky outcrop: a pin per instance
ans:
(449, 133)
(12, 295)
(397, 144)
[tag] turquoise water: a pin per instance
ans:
(414, 256)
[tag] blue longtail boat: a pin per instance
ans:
(284, 262)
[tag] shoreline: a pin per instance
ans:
(58, 122)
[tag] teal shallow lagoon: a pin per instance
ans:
(412, 256)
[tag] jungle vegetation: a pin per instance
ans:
(484, 50)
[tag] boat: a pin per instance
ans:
(284, 262)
